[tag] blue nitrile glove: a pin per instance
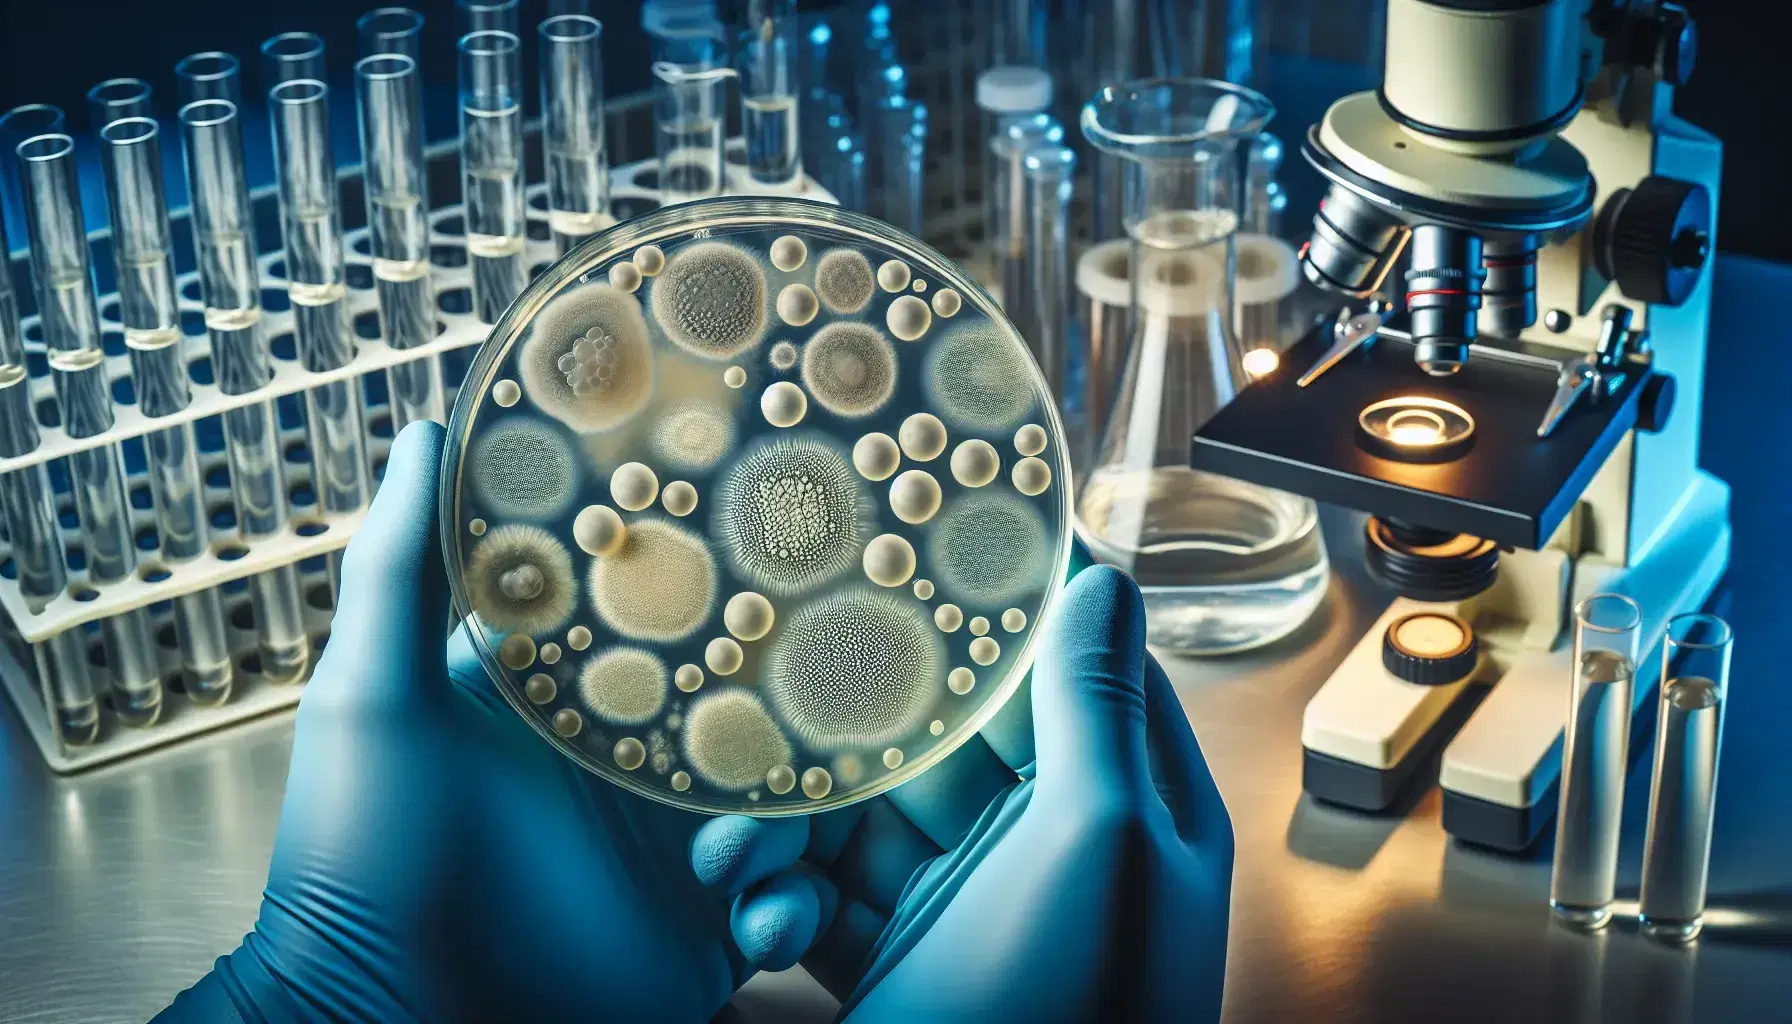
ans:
(1090, 884)
(437, 861)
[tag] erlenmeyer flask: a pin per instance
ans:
(1224, 565)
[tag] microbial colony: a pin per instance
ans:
(744, 522)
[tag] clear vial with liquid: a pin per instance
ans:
(1224, 565)
(1595, 743)
(1683, 789)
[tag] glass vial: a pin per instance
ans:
(1695, 677)
(1594, 756)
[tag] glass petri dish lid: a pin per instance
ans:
(754, 506)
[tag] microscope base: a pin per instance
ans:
(1500, 772)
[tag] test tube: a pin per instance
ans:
(292, 55)
(572, 118)
(491, 166)
(1584, 877)
(1008, 195)
(689, 131)
(29, 510)
(311, 230)
(769, 112)
(1050, 172)
(488, 16)
(223, 237)
(70, 318)
(143, 254)
(396, 30)
(211, 75)
(17, 125)
(1689, 735)
(116, 99)
(1006, 96)
(391, 110)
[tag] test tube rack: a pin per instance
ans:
(310, 533)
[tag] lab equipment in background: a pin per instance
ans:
(1546, 457)
(22, 122)
(572, 128)
(488, 16)
(1009, 96)
(820, 101)
(1583, 880)
(397, 30)
(311, 230)
(842, 170)
(116, 99)
(71, 330)
(211, 75)
(904, 144)
(1695, 680)
(769, 109)
(388, 94)
(1017, 32)
(229, 279)
(688, 130)
(1268, 270)
(491, 155)
(1103, 324)
(292, 55)
(1006, 211)
(1224, 565)
(1050, 175)
(149, 311)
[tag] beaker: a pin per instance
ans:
(1224, 565)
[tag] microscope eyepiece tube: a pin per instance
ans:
(1443, 295)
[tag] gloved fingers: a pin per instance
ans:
(947, 799)
(468, 673)
(881, 856)
(1089, 697)
(386, 637)
(837, 959)
(776, 921)
(1183, 781)
(830, 831)
(1010, 732)
(732, 853)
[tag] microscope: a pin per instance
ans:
(1524, 431)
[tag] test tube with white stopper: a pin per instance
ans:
(1007, 96)
(311, 229)
(572, 128)
(70, 318)
(389, 97)
(1689, 736)
(491, 164)
(143, 251)
(28, 508)
(1595, 742)
(768, 93)
(230, 286)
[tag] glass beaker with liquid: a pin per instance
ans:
(1224, 565)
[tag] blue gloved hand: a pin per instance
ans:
(437, 861)
(1092, 882)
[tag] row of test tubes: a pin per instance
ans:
(42, 155)
(1690, 702)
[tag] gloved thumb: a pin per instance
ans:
(1089, 695)
(387, 638)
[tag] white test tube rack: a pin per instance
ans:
(310, 532)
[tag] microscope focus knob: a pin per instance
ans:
(1656, 404)
(1655, 239)
(1429, 648)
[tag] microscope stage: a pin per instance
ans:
(1508, 486)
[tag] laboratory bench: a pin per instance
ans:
(120, 886)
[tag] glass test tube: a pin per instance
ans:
(230, 282)
(1051, 172)
(1008, 196)
(28, 506)
(572, 118)
(391, 106)
(1689, 735)
(70, 318)
(116, 99)
(488, 16)
(211, 75)
(1007, 96)
(1594, 742)
(904, 162)
(491, 165)
(17, 125)
(311, 231)
(396, 30)
(688, 129)
(292, 55)
(143, 251)
(769, 110)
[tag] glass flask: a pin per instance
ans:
(1224, 565)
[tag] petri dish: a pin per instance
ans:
(753, 501)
